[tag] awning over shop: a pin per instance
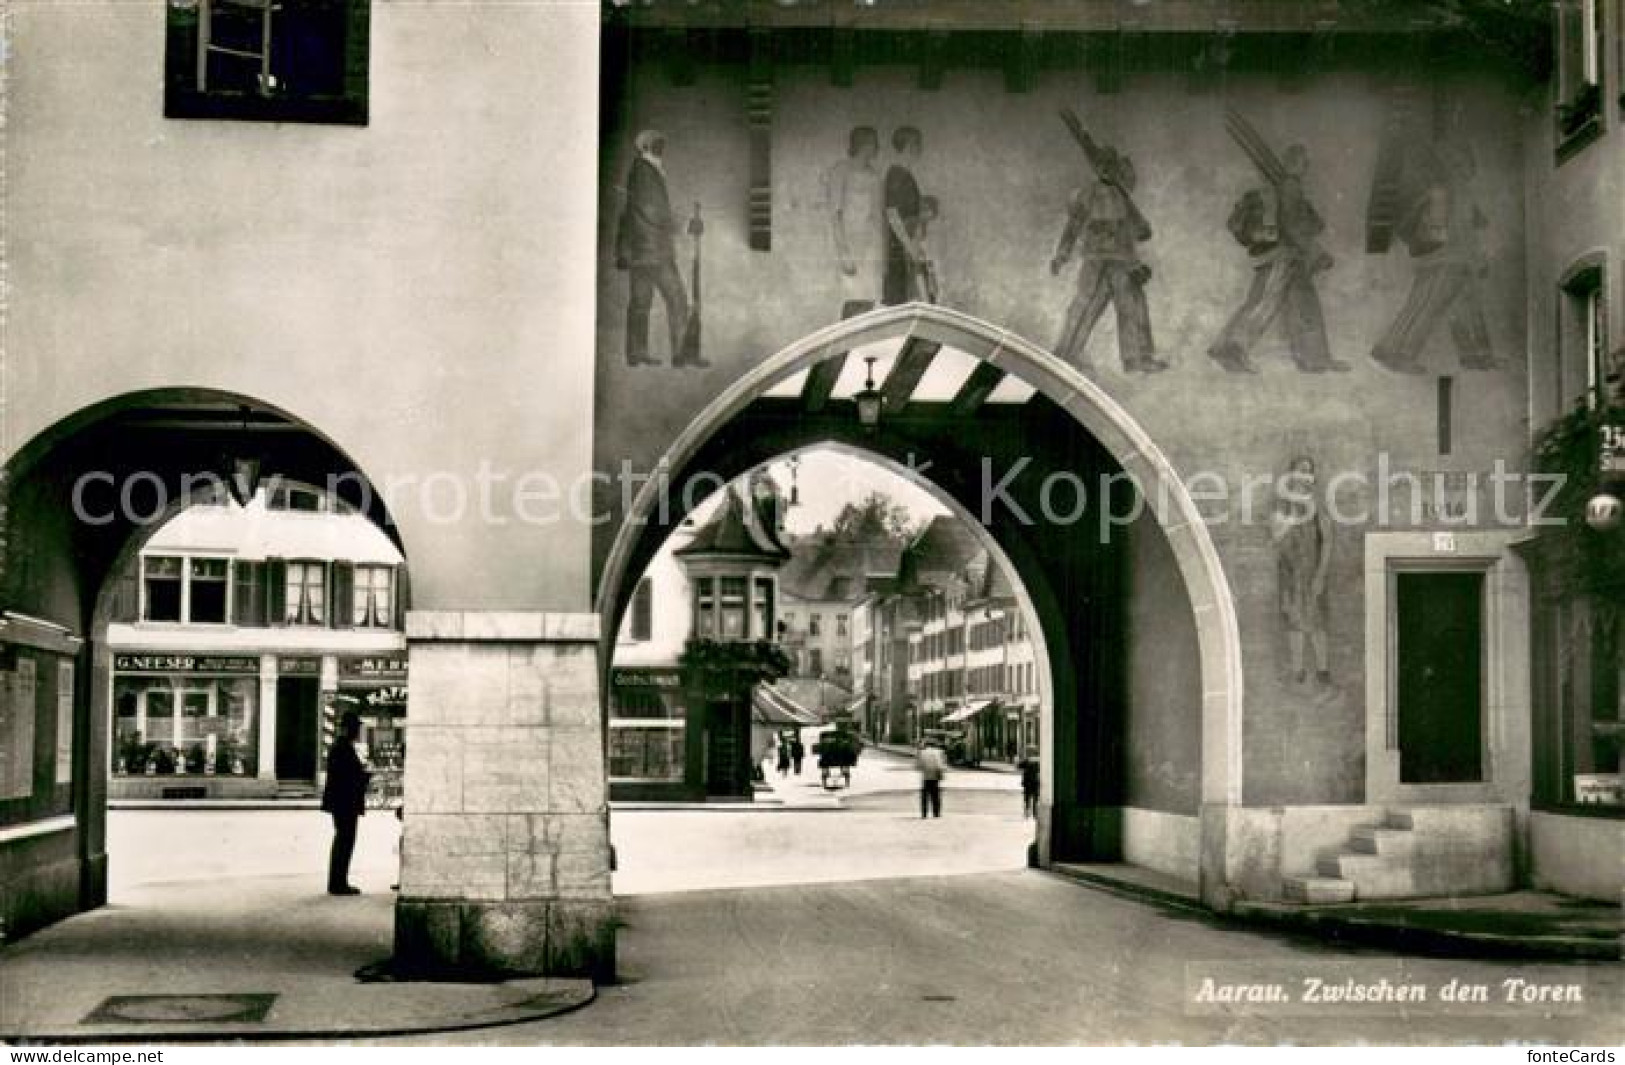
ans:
(969, 710)
(769, 706)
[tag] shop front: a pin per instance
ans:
(186, 726)
(648, 735)
(373, 686)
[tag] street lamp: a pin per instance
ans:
(869, 400)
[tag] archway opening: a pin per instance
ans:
(163, 601)
(899, 623)
(1125, 585)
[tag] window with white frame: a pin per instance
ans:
(1583, 334)
(374, 602)
(306, 602)
(163, 581)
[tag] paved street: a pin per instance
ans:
(870, 925)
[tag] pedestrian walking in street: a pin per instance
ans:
(797, 752)
(1029, 785)
(784, 759)
(344, 797)
(933, 765)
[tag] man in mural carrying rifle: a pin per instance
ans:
(1281, 230)
(1104, 226)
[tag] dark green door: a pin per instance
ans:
(296, 699)
(1440, 673)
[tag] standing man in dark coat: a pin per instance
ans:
(345, 797)
(646, 248)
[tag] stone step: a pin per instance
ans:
(1388, 842)
(1317, 889)
(1373, 875)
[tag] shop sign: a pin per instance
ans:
(670, 679)
(299, 666)
(155, 663)
(373, 668)
(390, 698)
(1611, 450)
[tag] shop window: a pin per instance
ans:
(1579, 40)
(267, 60)
(185, 725)
(306, 594)
(208, 590)
(373, 597)
(162, 583)
(1585, 767)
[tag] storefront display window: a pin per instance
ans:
(185, 725)
(647, 726)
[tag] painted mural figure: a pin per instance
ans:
(1301, 533)
(1104, 228)
(857, 221)
(646, 248)
(1441, 228)
(1280, 228)
(903, 205)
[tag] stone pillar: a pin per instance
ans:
(505, 859)
(265, 769)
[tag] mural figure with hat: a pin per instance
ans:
(1104, 227)
(1440, 226)
(646, 248)
(1280, 229)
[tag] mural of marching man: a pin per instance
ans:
(1441, 228)
(1104, 226)
(1280, 229)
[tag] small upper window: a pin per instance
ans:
(1583, 356)
(295, 497)
(1580, 36)
(269, 60)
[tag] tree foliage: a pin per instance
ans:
(877, 516)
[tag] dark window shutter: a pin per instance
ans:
(275, 572)
(342, 616)
(248, 592)
(403, 596)
(357, 34)
(126, 604)
(643, 610)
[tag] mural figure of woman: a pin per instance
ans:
(857, 222)
(903, 205)
(1302, 536)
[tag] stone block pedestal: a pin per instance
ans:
(505, 857)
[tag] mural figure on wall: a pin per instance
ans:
(903, 206)
(1104, 226)
(646, 248)
(1301, 533)
(1280, 229)
(857, 221)
(1440, 226)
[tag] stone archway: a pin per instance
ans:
(80, 499)
(999, 354)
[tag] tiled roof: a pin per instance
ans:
(739, 528)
